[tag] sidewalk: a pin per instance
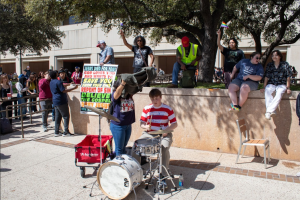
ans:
(41, 166)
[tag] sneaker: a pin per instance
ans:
(45, 129)
(56, 135)
(49, 126)
(172, 86)
(233, 108)
(268, 115)
(66, 134)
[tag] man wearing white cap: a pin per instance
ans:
(106, 54)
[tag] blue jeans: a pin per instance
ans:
(24, 110)
(53, 112)
(176, 69)
(121, 136)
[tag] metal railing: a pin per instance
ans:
(20, 107)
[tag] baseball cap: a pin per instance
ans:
(185, 41)
(61, 71)
(100, 42)
(77, 67)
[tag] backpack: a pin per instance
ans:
(188, 79)
(5, 126)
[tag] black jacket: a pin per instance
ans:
(135, 82)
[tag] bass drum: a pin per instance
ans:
(118, 177)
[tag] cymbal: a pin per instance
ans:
(159, 132)
(102, 113)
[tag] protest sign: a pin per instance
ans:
(96, 86)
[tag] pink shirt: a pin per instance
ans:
(44, 88)
(75, 77)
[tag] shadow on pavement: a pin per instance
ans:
(3, 157)
(273, 162)
(5, 170)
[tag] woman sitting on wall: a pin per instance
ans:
(251, 72)
(277, 78)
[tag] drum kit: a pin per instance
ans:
(117, 178)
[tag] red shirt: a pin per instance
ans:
(75, 76)
(161, 116)
(44, 88)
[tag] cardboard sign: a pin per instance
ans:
(96, 86)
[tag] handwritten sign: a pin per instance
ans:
(96, 86)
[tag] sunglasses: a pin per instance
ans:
(257, 58)
(139, 40)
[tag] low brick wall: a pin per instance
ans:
(204, 122)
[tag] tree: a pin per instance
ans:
(20, 32)
(172, 19)
(277, 22)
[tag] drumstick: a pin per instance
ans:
(153, 137)
(150, 122)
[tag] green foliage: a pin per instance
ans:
(20, 32)
(158, 19)
(274, 22)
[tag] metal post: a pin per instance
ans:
(100, 140)
(30, 103)
(21, 111)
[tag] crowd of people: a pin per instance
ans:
(49, 87)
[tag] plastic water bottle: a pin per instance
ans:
(181, 180)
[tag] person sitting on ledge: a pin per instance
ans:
(277, 78)
(188, 55)
(251, 72)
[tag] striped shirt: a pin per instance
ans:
(161, 116)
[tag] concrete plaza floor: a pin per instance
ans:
(41, 166)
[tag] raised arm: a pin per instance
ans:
(218, 41)
(152, 59)
(125, 41)
(119, 90)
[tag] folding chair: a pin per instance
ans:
(241, 123)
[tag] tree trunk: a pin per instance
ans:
(209, 50)
(257, 40)
(209, 41)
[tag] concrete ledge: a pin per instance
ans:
(204, 122)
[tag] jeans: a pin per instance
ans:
(176, 70)
(62, 111)
(53, 113)
(44, 106)
(20, 101)
(121, 136)
(272, 103)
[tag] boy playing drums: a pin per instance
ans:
(158, 116)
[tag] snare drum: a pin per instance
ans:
(147, 146)
(118, 177)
